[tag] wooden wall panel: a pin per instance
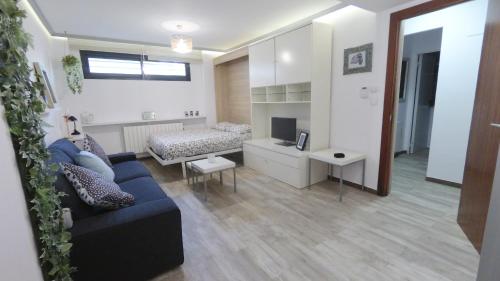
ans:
(232, 91)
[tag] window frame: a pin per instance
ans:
(86, 54)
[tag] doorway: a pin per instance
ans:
(423, 103)
(436, 112)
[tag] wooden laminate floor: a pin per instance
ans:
(271, 231)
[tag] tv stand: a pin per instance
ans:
(286, 143)
(286, 164)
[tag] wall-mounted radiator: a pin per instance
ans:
(136, 137)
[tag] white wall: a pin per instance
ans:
(352, 117)
(18, 255)
(357, 123)
(44, 51)
(414, 44)
(458, 68)
(125, 100)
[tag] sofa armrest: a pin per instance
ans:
(122, 157)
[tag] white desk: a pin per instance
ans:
(351, 157)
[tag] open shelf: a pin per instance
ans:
(291, 93)
(298, 92)
(259, 94)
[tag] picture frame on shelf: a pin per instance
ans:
(302, 140)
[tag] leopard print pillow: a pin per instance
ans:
(90, 145)
(94, 189)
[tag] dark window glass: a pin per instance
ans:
(106, 65)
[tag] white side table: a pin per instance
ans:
(326, 156)
(206, 168)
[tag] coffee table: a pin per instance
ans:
(206, 168)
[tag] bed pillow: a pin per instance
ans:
(90, 145)
(223, 126)
(93, 162)
(239, 128)
(94, 189)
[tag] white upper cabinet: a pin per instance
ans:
(293, 56)
(262, 64)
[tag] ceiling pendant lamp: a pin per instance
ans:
(181, 43)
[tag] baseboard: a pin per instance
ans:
(449, 183)
(353, 184)
(396, 154)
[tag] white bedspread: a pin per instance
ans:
(173, 145)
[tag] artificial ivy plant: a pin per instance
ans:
(72, 67)
(23, 108)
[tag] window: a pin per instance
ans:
(106, 65)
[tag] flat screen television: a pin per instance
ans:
(284, 129)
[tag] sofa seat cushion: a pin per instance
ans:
(144, 189)
(128, 170)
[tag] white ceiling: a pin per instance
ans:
(224, 24)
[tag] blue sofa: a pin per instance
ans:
(132, 243)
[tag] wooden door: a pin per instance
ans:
(483, 138)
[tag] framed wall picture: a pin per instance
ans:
(45, 93)
(302, 140)
(358, 59)
(49, 86)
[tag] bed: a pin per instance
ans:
(188, 145)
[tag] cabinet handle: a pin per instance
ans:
(496, 125)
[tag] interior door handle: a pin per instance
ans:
(495, 125)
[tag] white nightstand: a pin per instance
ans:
(351, 157)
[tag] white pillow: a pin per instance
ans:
(223, 126)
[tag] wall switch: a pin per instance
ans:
(364, 93)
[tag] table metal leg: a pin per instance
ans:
(234, 176)
(309, 171)
(220, 178)
(205, 185)
(183, 165)
(341, 183)
(363, 179)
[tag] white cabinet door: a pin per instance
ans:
(293, 56)
(262, 64)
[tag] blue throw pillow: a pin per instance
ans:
(95, 163)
